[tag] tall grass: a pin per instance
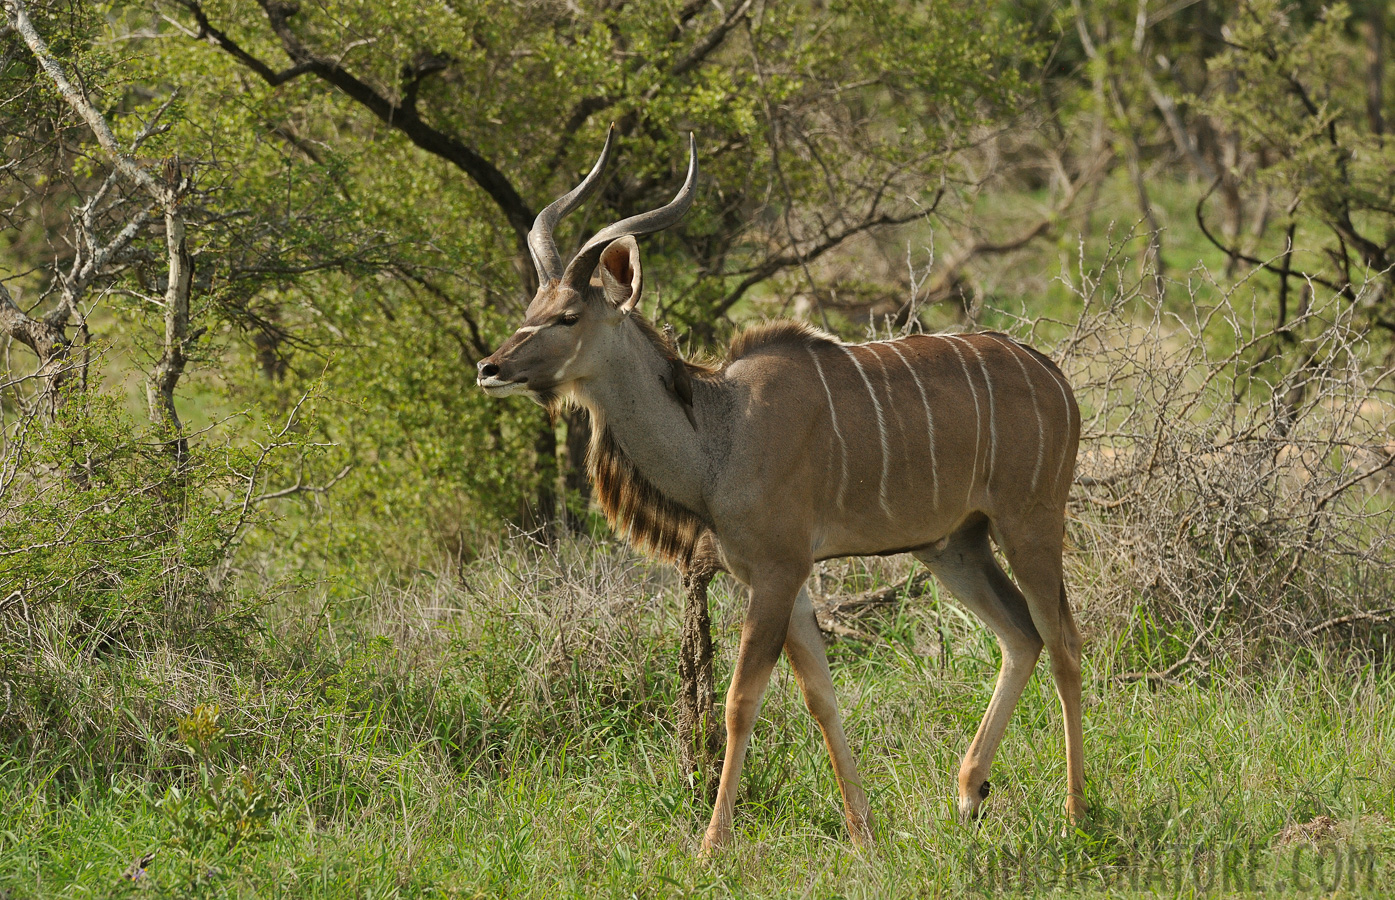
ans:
(504, 730)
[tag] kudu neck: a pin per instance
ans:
(633, 399)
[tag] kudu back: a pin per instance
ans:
(801, 447)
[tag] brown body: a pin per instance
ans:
(800, 448)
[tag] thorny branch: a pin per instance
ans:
(1236, 497)
(279, 441)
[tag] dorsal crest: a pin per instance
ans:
(774, 334)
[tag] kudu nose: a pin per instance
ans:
(488, 369)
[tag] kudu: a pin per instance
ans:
(801, 448)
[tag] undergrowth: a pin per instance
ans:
(505, 729)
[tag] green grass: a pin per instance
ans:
(434, 741)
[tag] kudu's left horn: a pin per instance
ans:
(541, 243)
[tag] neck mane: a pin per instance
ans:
(634, 506)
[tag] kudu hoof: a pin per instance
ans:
(971, 808)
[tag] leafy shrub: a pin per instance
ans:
(111, 569)
(223, 809)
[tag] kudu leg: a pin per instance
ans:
(805, 648)
(1036, 563)
(762, 635)
(967, 567)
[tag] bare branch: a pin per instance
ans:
(300, 487)
(1379, 615)
(251, 500)
(797, 257)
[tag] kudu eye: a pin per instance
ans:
(570, 319)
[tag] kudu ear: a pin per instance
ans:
(621, 275)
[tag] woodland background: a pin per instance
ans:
(289, 603)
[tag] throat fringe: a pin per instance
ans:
(637, 509)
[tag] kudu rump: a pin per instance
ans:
(799, 448)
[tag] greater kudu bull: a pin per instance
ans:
(801, 447)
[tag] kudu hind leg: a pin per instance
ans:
(967, 567)
(1036, 564)
(762, 635)
(805, 648)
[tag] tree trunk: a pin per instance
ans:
(170, 368)
(701, 735)
(573, 461)
(1151, 265)
(1233, 204)
(539, 514)
(1372, 27)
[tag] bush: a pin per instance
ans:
(1232, 494)
(111, 572)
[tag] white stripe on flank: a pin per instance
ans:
(1060, 382)
(929, 421)
(992, 417)
(978, 416)
(890, 400)
(1017, 352)
(833, 416)
(881, 425)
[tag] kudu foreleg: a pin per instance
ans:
(762, 636)
(805, 648)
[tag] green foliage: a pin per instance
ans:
(116, 575)
(100, 519)
(223, 809)
(1305, 100)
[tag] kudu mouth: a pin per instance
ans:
(503, 373)
(491, 378)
